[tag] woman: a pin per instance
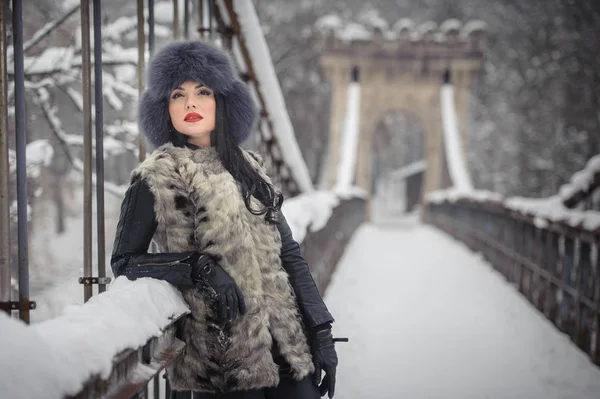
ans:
(258, 327)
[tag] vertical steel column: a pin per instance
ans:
(201, 18)
(176, 19)
(141, 48)
(99, 144)
(151, 36)
(20, 125)
(5, 288)
(210, 10)
(87, 146)
(186, 19)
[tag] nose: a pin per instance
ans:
(190, 104)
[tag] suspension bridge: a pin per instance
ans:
(475, 295)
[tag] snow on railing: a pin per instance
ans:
(87, 343)
(584, 185)
(542, 210)
(310, 212)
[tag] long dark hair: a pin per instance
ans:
(232, 158)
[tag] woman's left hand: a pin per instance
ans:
(325, 359)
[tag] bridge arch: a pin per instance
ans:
(404, 72)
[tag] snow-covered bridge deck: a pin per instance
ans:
(427, 318)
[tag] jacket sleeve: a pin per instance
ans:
(315, 313)
(137, 224)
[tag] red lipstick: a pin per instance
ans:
(193, 117)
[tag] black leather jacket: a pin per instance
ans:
(130, 258)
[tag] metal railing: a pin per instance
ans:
(554, 264)
(323, 249)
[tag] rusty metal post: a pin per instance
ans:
(176, 19)
(5, 288)
(100, 226)
(21, 142)
(141, 51)
(87, 146)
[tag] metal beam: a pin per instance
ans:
(21, 143)
(141, 53)
(87, 145)
(100, 226)
(5, 288)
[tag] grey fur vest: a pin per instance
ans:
(199, 207)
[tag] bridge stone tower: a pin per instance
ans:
(401, 69)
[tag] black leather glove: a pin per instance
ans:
(325, 359)
(214, 282)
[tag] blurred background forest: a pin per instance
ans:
(535, 109)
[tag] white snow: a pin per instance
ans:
(329, 22)
(427, 27)
(271, 92)
(163, 12)
(473, 26)
(427, 318)
(373, 19)
(404, 24)
(409, 170)
(457, 164)
(83, 341)
(354, 32)
(544, 210)
(53, 59)
(581, 180)
(38, 154)
(450, 25)
(311, 211)
(347, 166)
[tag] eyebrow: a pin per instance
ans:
(197, 87)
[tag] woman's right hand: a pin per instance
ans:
(218, 285)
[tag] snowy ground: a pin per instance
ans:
(427, 318)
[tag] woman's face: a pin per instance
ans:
(192, 110)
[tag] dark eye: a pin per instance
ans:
(176, 96)
(205, 92)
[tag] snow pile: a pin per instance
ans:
(125, 316)
(374, 20)
(552, 210)
(582, 181)
(428, 27)
(347, 166)
(404, 25)
(450, 25)
(471, 27)
(38, 154)
(329, 22)
(354, 32)
(457, 164)
(53, 59)
(311, 211)
(271, 92)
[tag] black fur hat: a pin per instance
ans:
(197, 61)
